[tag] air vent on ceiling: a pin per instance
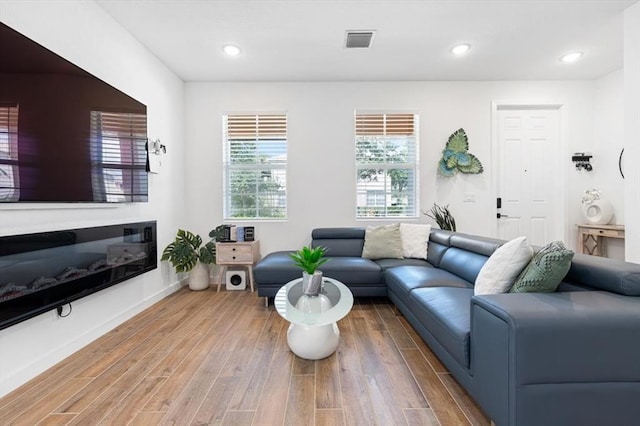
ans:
(359, 39)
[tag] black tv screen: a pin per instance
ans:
(66, 135)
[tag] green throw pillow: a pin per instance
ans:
(545, 271)
(382, 242)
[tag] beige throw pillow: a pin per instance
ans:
(503, 267)
(382, 242)
(415, 238)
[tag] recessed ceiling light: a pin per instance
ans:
(231, 50)
(460, 49)
(571, 57)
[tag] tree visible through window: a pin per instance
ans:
(255, 162)
(386, 165)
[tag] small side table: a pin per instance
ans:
(591, 238)
(245, 253)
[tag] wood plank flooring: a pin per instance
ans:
(204, 358)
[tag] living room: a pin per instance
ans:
(599, 116)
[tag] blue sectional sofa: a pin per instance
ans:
(571, 357)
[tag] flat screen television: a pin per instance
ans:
(66, 135)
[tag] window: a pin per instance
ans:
(9, 176)
(255, 166)
(119, 156)
(386, 165)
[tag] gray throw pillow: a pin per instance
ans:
(545, 271)
(382, 242)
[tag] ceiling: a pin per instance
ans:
(303, 40)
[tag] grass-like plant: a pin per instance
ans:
(309, 259)
(442, 216)
(185, 251)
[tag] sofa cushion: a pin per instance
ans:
(440, 236)
(435, 251)
(606, 274)
(415, 239)
(276, 268)
(445, 312)
(382, 242)
(464, 264)
(503, 267)
(353, 271)
(392, 263)
(403, 279)
(545, 271)
(473, 243)
(339, 241)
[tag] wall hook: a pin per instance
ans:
(582, 161)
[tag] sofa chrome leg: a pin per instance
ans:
(266, 302)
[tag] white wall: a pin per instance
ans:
(608, 104)
(632, 131)
(321, 169)
(83, 33)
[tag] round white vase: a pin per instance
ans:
(597, 212)
(199, 277)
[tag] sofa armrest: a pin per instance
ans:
(529, 349)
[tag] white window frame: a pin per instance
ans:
(268, 131)
(382, 128)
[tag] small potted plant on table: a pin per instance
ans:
(309, 260)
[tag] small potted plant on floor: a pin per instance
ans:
(309, 260)
(187, 254)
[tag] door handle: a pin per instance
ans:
(499, 215)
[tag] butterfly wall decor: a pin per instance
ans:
(457, 158)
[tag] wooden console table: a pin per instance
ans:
(591, 238)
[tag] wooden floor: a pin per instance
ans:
(198, 358)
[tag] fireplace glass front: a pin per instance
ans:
(45, 270)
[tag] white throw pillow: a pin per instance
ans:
(415, 238)
(503, 267)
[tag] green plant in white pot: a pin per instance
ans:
(309, 260)
(187, 254)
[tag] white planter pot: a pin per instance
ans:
(199, 277)
(311, 284)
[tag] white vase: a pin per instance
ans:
(199, 277)
(597, 212)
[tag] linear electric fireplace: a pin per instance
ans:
(43, 271)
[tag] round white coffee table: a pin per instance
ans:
(313, 333)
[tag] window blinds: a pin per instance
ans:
(255, 160)
(386, 164)
(9, 176)
(385, 124)
(119, 156)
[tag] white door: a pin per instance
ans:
(529, 174)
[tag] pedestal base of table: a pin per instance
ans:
(313, 341)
